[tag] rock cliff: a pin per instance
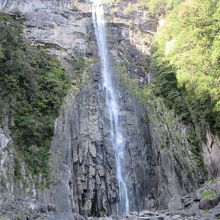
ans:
(159, 164)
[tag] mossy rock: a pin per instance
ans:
(208, 194)
(33, 86)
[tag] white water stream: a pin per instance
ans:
(117, 138)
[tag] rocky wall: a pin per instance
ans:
(159, 166)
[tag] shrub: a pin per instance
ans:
(32, 87)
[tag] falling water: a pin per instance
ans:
(117, 138)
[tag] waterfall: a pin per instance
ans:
(116, 135)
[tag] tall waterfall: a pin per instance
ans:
(116, 136)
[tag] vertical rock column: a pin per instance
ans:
(85, 166)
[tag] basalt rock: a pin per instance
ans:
(159, 167)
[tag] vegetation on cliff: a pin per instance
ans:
(32, 87)
(186, 66)
(158, 7)
(187, 54)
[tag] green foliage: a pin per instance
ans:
(159, 7)
(187, 52)
(195, 140)
(143, 93)
(208, 194)
(17, 169)
(107, 1)
(32, 85)
(165, 87)
(75, 8)
(129, 9)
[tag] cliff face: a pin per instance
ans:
(56, 26)
(159, 165)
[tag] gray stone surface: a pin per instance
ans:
(211, 154)
(83, 160)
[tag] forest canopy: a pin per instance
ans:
(188, 48)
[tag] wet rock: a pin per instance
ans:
(43, 209)
(51, 208)
(158, 165)
(65, 216)
(212, 153)
(187, 201)
(209, 203)
(92, 149)
(146, 213)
